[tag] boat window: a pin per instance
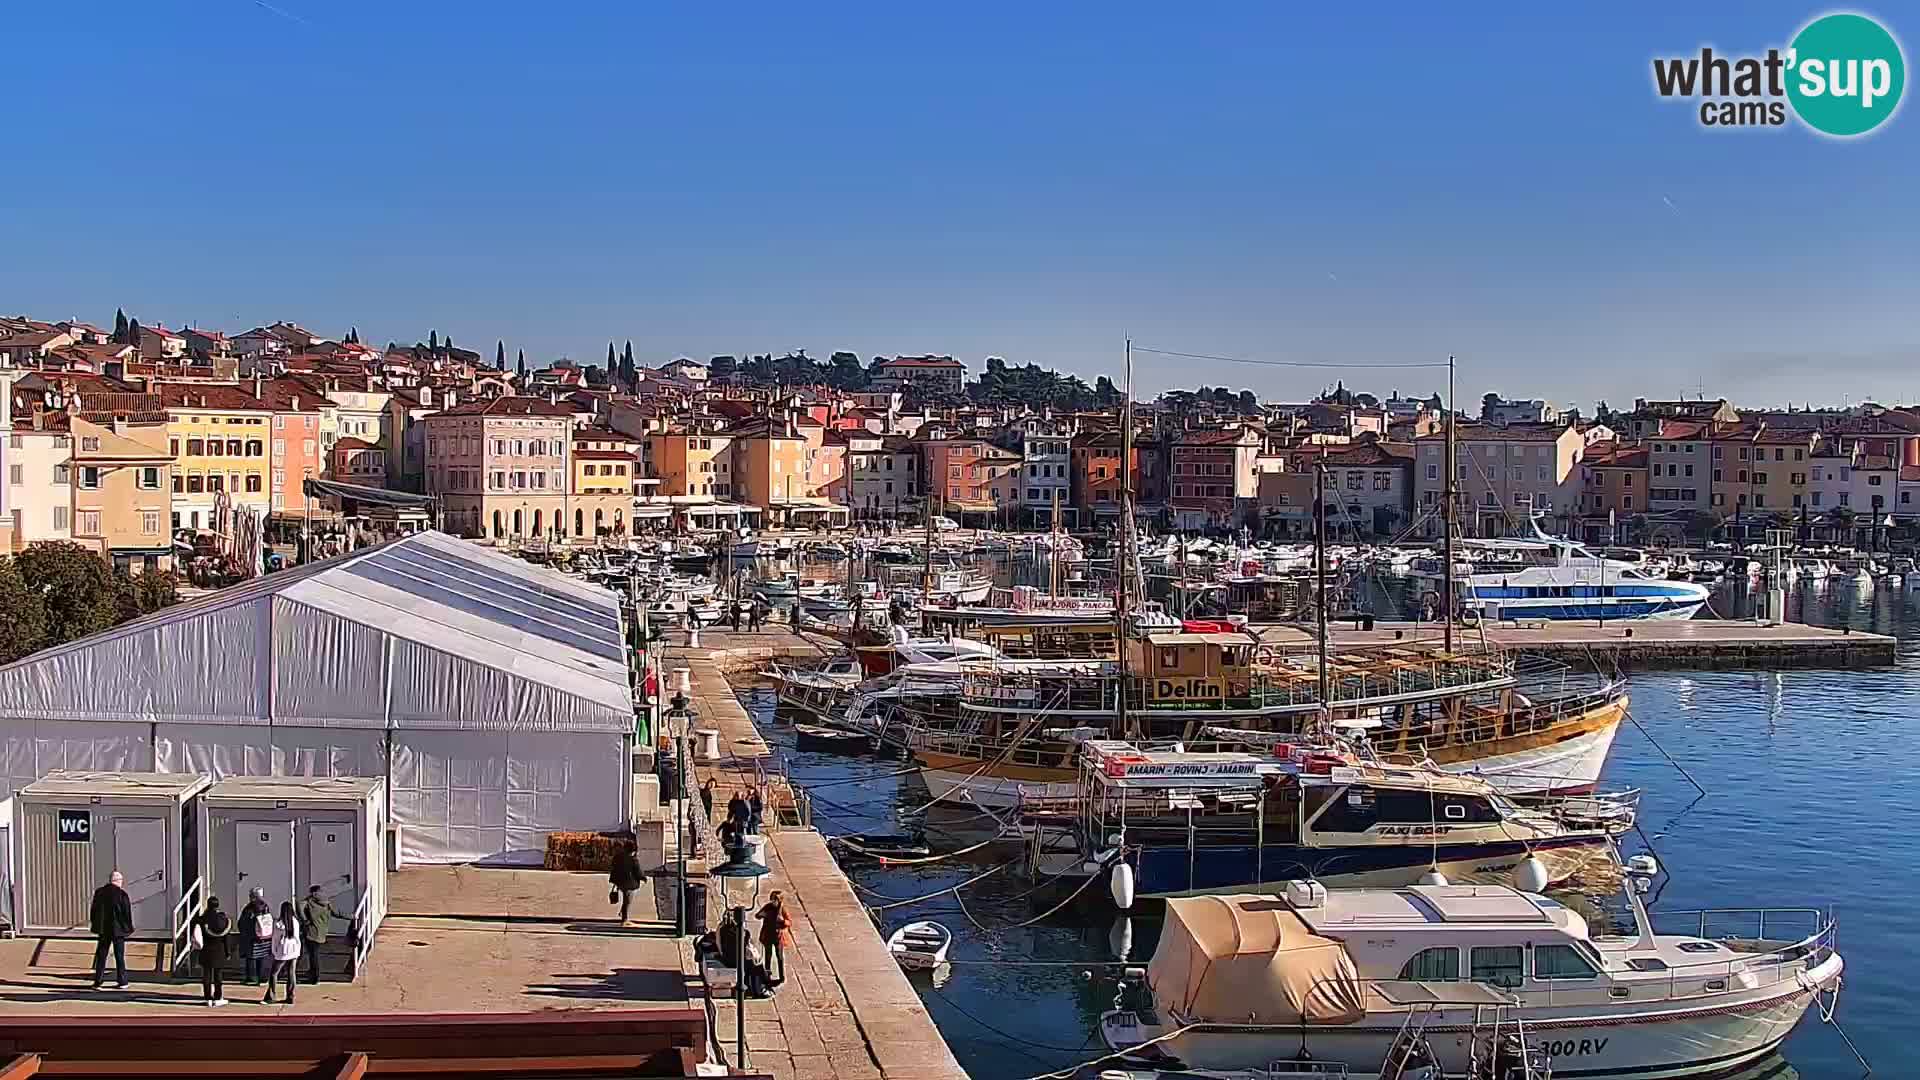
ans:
(1697, 946)
(1500, 965)
(1647, 963)
(1433, 965)
(1561, 962)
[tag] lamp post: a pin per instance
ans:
(739, 867)
(679, 709)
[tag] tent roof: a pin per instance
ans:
(425, 632)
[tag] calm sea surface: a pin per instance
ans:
(1812, 799)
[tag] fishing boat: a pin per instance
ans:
(883, 846)
(814, 737)
(1239, 980)
(1192, 821)
(920, 946)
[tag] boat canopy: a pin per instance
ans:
(1249, 959)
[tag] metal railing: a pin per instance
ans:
(184, 912)
(358, 934)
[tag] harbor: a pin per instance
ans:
(1688, 643)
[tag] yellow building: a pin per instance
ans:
(1761, 472)
(218, 434)
(605, 463)
(771, 459)
(121, 491)
(694, 463)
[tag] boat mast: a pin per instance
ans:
(1447, 511)
(1053, 557)
(1121, 572)
(1320, 570)
(926, 574)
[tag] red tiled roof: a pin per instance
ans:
(921, 362)
(351, 443)
(206, 396)
(509, 406)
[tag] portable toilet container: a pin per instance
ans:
(72, 829)
(283, 834)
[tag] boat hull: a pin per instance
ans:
(1166, 871)
(1660, 1041)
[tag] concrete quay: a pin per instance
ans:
(845, 1010)
(1636, 643)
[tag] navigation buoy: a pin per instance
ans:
(1120, 938)
(1531, 875)
(1433, 877)
(1120, 883)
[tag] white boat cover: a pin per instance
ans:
(1247, 959)
(492, 694)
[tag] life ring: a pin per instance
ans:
(1266, 654)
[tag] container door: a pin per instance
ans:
(263, 858)
(330, 865)
(140, 854)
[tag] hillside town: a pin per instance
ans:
(156, 446)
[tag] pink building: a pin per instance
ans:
(500, 468)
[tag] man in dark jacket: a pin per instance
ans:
(316, 918)
(112, 923)
(626, 876)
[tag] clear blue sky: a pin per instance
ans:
(1034, 181)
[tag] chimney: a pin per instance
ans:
(426, 395)
(296, 403)
(256, 384)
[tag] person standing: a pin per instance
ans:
(210, 929)
(256, 937)
(626, 877)
(706, 798)
(316, 918)
(111, 921)
(775, 934)
(286, 950)
(737, 810)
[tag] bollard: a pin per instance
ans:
(693, 637)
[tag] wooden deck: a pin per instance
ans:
(1642, 643)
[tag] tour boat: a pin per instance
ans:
(1240, 980)
(1196, 821)
(920, 946)
(1534, 732)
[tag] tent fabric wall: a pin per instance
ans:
(502, 688)
(29, 749)
(466, 796)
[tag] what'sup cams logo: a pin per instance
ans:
(1842, 76)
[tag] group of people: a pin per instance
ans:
(744, 813)
(270, 944)
(765, 970)
(754, 611)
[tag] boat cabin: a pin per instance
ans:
(1198, 667)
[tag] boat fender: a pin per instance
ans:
(1433, 877)
(1120, 884)
(1531, 875)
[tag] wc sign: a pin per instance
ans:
(76, 827)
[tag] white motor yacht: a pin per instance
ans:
(1238, 981)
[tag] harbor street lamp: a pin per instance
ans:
(741, 868)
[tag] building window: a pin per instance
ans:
(16, 474)
(195, 448)
(86, 523)
(60, 515)
(253, 483)
(149, 478)
(89, 477)
(150, 522)
(216, 482)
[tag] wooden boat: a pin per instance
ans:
(920, 946)
(884, 846)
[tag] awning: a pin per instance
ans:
(652, 511)
(358, 493)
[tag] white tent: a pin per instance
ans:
(492, 695)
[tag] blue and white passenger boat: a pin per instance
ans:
(1551, 578)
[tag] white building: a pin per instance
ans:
(1046, 452)
(492, 695)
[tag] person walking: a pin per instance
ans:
(756, 808)
(706, 798)
(256, 937)
(316, 918)
(775, 933)
(626, 877)
(754, 614)
(738, 810)
(286, 950)
(210, 930)
(111, 921)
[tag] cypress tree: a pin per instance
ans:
(612, 366)
(627, 370)
(119, 325)
(500, 355)
(133, 333)
(433, 341)
(523, 365)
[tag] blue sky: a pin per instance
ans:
(1034, 181)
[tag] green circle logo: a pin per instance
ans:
(1845, 75)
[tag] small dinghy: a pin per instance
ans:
(812, 737)
(885, 846)
(920, 946)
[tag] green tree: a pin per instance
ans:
(23, 617)
(133, 333)
(845, 372)
(523, 365)
(74, 584)
(629, 373)
(353, 335)
(119, 326)
(500, 355)
(613, 361)
(722, 368)
(433, 341)
(1487, 404)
